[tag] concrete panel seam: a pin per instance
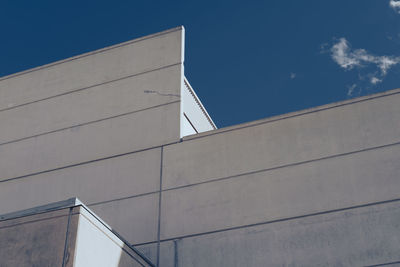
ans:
(284, 166)
(91, 86)
(86, 162)
(88, 123)
(297, 114)
(384, 264)
(275, 221)
(176, 258)
(159, 209)
(66, 256)
(92, 53)
(32, 221)
(122, 198)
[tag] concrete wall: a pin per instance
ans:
(62, 234)
(307, 188)
(38, 240)
(361, 236)
(123, 103)
(93, 126)
(123, 61)
(322, 160)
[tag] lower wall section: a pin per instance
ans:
(360, 236)
(37, 240)
(64, 233)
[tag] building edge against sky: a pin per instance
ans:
(121, 129)
(193, 116)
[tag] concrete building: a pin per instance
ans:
(64, 233)
(122, 130)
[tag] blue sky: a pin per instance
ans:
(247, 60)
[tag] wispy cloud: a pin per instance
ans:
(350, 90)
(349, 58)
(292, 75)
(395, 4)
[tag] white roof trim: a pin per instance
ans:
(196, 98)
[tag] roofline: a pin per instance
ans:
(292, 114)
(71, 202)
(91, 53)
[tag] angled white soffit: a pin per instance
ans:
(194, 118)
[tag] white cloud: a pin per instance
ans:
(293, 75)
(341, 55)
(385, 63)
(348, 58)
(395, 4)
(375, 80)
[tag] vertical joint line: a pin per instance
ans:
(159, 208)
(65, 256)
(176, 264)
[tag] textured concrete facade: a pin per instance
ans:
(310, 188)
(65, 233)
(37, 240)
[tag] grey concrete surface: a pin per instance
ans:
(71, 238)
(65, 233)
(297, 113)
(136, 219)
(98, 181)
(357, 237)
(119, 61)
(92, 104)
(149, 250)
(309, 136)
(316, 186)
(168, 257)
(141, 130)
(36, 240)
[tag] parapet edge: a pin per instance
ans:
(91, 53)
(293, 114)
